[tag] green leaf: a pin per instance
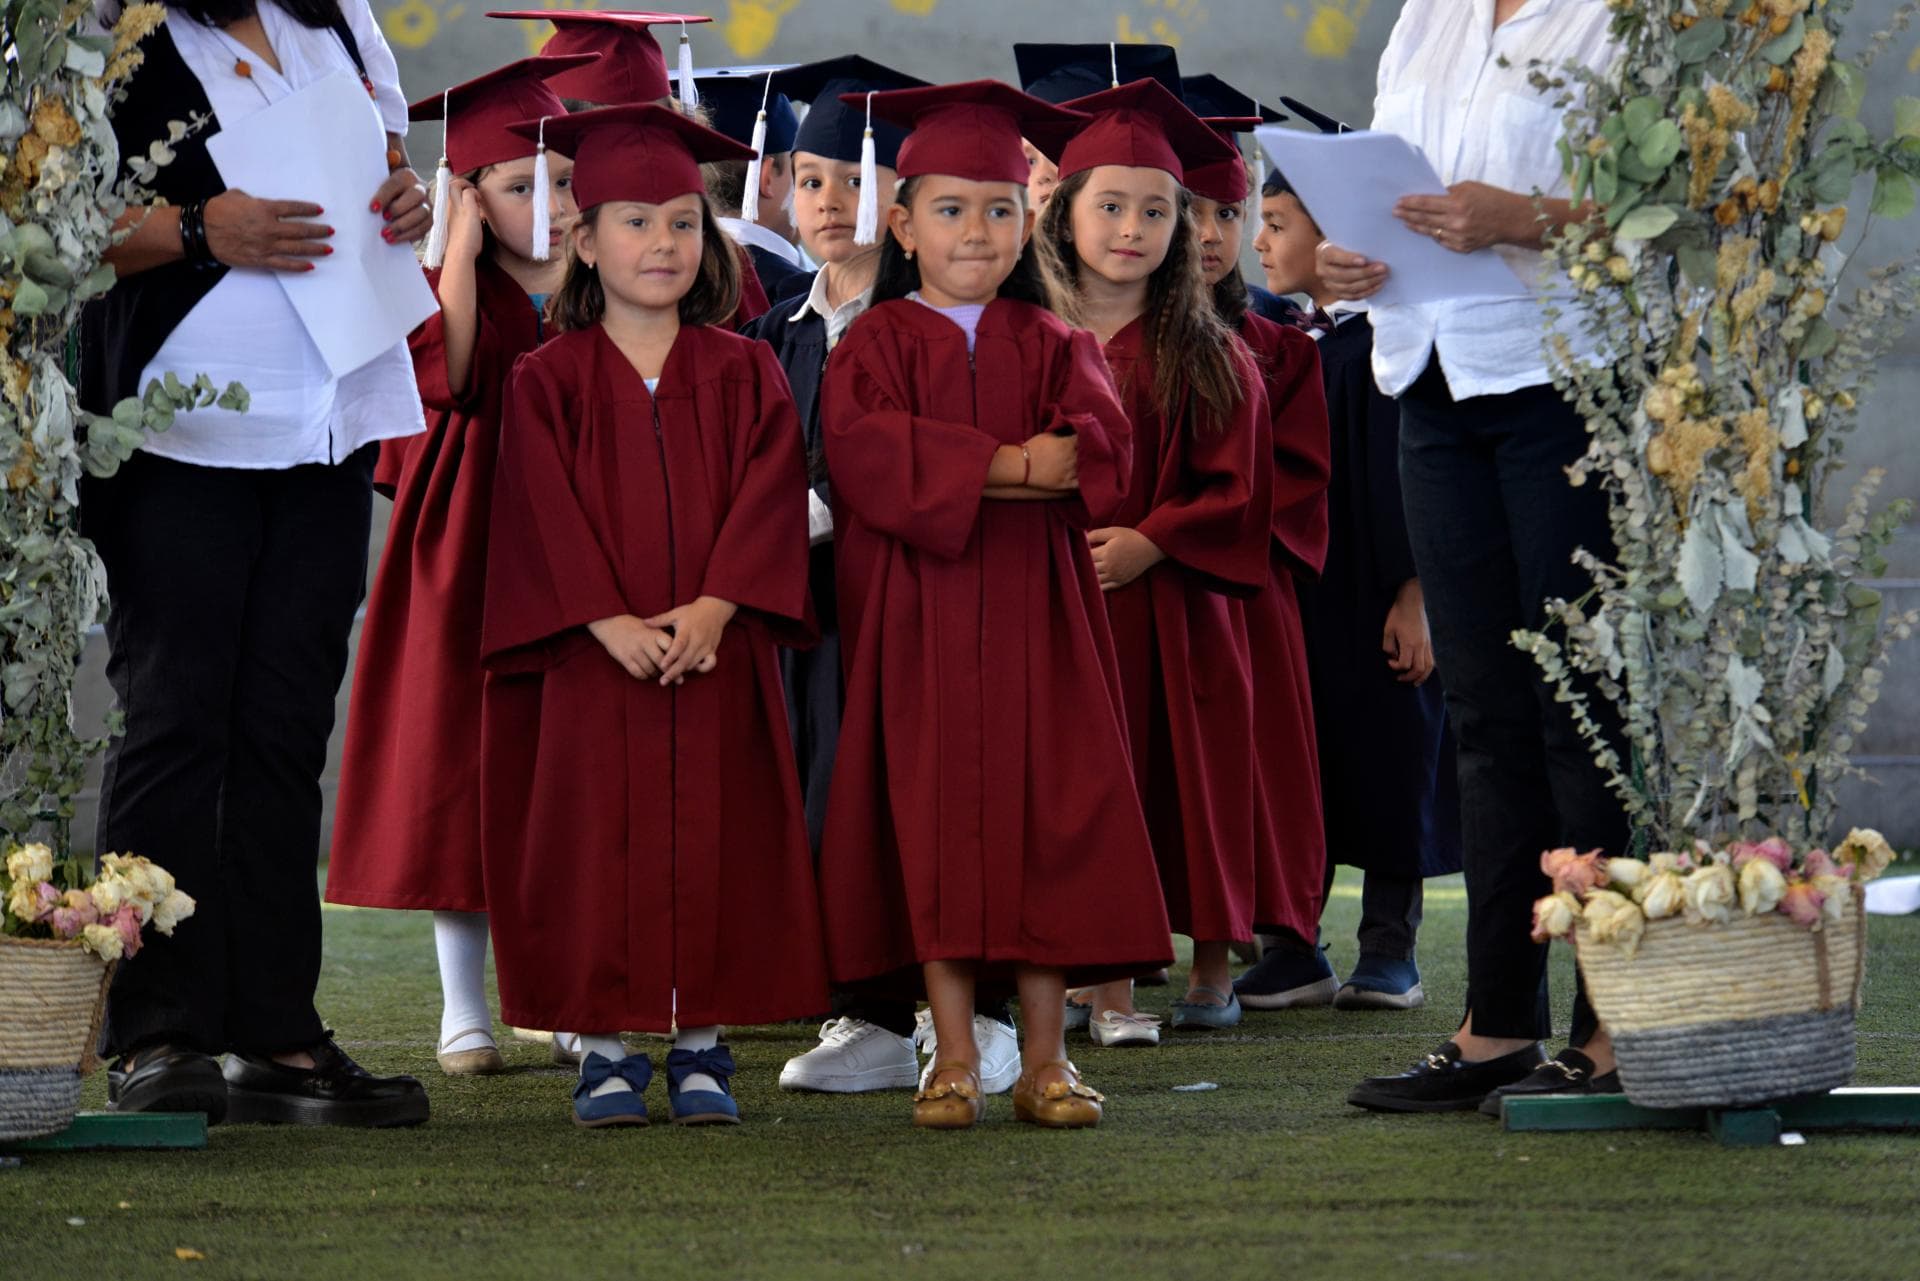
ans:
(1906, 117)
(1787, 43)
(1699, 263)
(1634, 169)
(1582, 177)
(29, 299)
(1818, 340)
(1646, 222)
(128, 413)
(1639, 115)
(1892, 194)
(98, 282)
(1833, 171)
(236, 398)
(1700, 41)
(1842, 90)
(1659, 145)
(1606, 179)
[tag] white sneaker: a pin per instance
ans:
(1116, 1031)
(853, 1056)
(999, 1051)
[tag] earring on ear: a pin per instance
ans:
(909, 255)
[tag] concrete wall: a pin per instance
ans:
(1321, 51)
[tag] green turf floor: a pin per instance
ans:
(1271, 1175)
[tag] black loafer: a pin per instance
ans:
(168, 1078)
(1568, 1072)
(1444, 1082)
(335, 1091)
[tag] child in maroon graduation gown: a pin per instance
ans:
(406, 831)
(1194, 528)
(978, 828)
(1290, 848)
(645, 853)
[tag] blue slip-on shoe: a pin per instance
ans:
(1202, 1016)
(1381, 983)
(615, 1107)
(701, 1107)
(1283, 980)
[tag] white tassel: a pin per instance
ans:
(436, 253)
(1259, 171)
(866, 224)
(1113, 52)
(542, 193)
(750, 200)
(689, 95)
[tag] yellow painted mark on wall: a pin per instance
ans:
(1333, 27)
(917, 8)
(752, 25)
(1913, 60)
(412, 23)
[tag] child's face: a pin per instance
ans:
(1123, 222)
(506, 202)
(965, 236)
(1219, 229)
(826, 200)
(1042, 176)
(647, 255)
(1286, 245)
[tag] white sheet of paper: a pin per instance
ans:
(325, 145)
(1349, 183)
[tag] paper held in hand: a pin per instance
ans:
(324, 144)
(1349, 182)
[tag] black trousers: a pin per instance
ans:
(1391, 908)
(1494, 523)
(232, 595)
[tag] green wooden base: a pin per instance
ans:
(92, 1131)
(1851, 1109)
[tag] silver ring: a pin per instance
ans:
(1437, 233)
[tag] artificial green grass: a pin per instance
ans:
(1271, 1175)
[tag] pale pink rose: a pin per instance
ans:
(1554, 915)
(1802, 904)
(74, 913)
(1667, 862)
(1773, 850)
(1818, 863)
(127, 921)
(1837, 892)
(1571, 873)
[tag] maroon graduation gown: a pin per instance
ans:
(980, 807)
(1290, 848)
(645, 857)
(406, 829)
(753, 294)
(1203, 494)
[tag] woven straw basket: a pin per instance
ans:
(51, 996)
(1730, 1015)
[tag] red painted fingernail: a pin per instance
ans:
(373, 206)
(317, 211)
(326, 249)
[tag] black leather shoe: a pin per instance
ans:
(168, 1078)
(335, 1091)
(1568, 1072)
(1444, 1082)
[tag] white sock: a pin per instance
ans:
(697, 1039)
(460, 940)
(607, 1047)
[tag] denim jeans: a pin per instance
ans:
(1494, 523)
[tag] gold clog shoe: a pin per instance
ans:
(483, 1061)
(1059, 1105)
(950, 1105)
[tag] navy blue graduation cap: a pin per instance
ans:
(1318, 119)
(733, 97)
(1210, 96)
(1059, 73)
(834, 129)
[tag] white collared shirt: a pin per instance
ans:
(753, 235)
(838, 319)
(1458, 89)
(244, 330)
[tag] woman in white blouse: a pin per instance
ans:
(235, 546)
(1485, 440)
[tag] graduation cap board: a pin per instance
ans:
(1139, 125)
(1228, 111)
(632, 68)
(742, 104)
(479, 116)
(845, 131)
(1059, 73)
(1318, 119)
(971, 130)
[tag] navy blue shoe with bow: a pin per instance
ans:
(701, 1107)
(615, 1107)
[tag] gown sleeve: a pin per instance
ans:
(1082, 400)
(759, 556)
(548, 575)
(1302, 453)
(915, 479)
(1217, 524)
(1386, 513)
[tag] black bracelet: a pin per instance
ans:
(193, 236)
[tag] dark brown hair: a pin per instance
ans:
(580, 302)
(1030, 281)
(318, 14)
(1191, 347)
